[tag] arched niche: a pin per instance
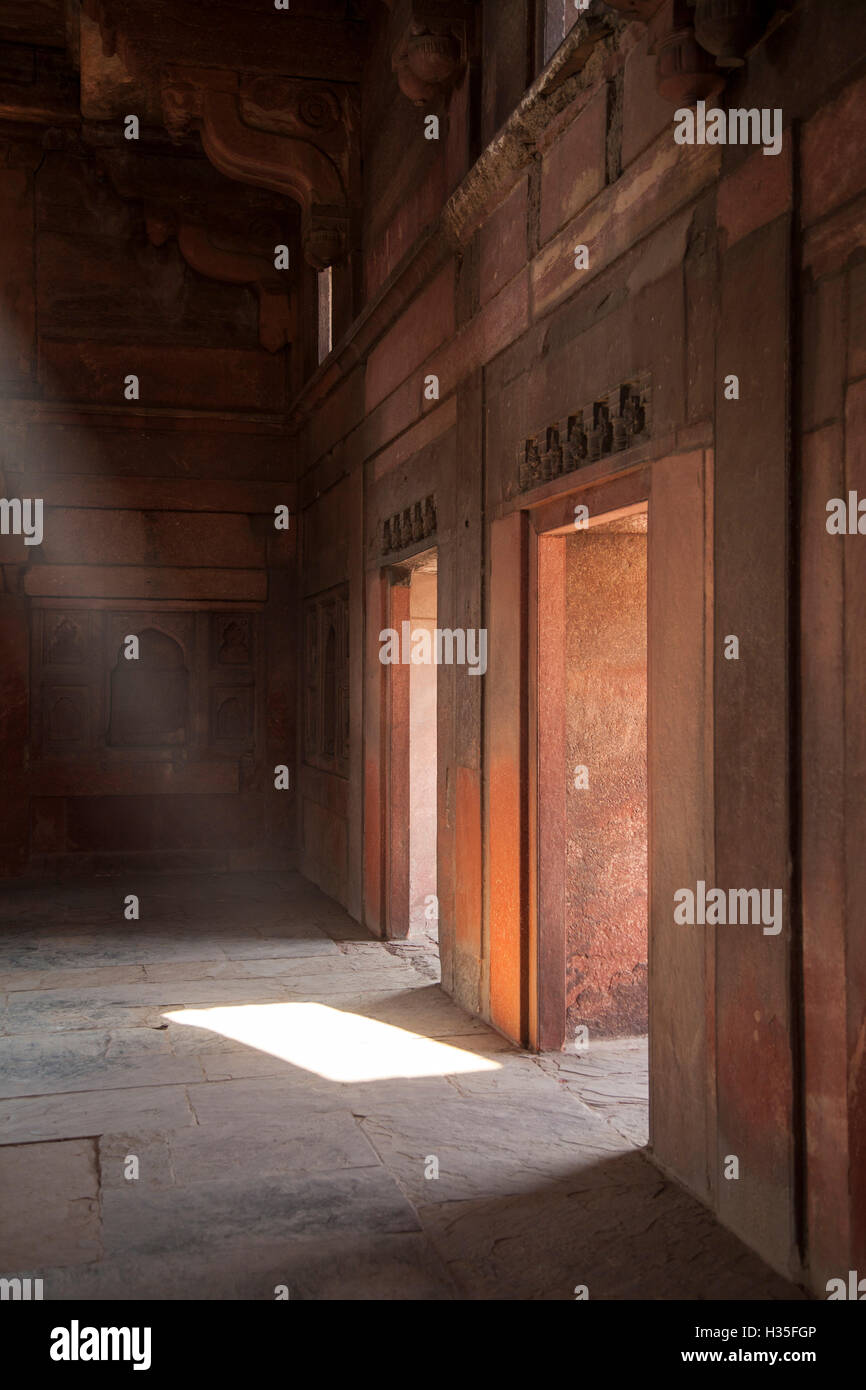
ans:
(150, 695)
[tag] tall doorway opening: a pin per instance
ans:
(592, 881)
(606, 816)
(423, 782)
(413, 786)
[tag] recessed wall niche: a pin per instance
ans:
(149, 697)
(326, 681)
(193, 689)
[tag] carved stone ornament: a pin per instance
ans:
(616, 421)
(413, 524)
(284, 163)
(431, 51)
(727, 28)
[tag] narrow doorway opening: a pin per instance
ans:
(423, 899)
(591, 866)
(412, 791)
(606, 934)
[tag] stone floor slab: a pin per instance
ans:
(49, 1204)
(232, 1211)
(282, 1081)
(90, 1113)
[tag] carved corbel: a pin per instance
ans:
(269, 159)
(728, 28)
(201, 253)
(692, 39)
(432, 50)
(181, 107)
(685, 72)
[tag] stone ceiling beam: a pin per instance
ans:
(150, 34)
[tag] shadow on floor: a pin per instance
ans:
(243, 1090)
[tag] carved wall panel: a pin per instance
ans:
(231, 714)
(193, 690)
(65, 639)
(66, 714)
(232, 639)
(65, 692)
(326, 681)
(232, 681)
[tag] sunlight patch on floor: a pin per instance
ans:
(336, 1045)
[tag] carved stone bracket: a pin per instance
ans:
(183, 197)
(432, 49)
(694, 39)
(273, 159)
(728, 28)
(413, 524)
(685, 72)
(616, 421)
(276, 305)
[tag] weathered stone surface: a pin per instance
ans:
(154, 1162)
(599, 1229)
(364, 1266)
(460, 1136)
(324, 1142)
(232, 1211)
(573, 171)
(611, 1078)
(460, 263)
(49, 1204)
(255, 1171)
(52, 1062)
(93, 1112)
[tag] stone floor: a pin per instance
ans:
(286, 1089)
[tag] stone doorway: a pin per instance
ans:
(592, 856)
(411, 686)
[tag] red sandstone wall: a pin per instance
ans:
(407, 177)
(158, 515)
(703, 261)
(832, 416)
(691, 277)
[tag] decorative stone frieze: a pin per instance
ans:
(415, 523)
(608, 425)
